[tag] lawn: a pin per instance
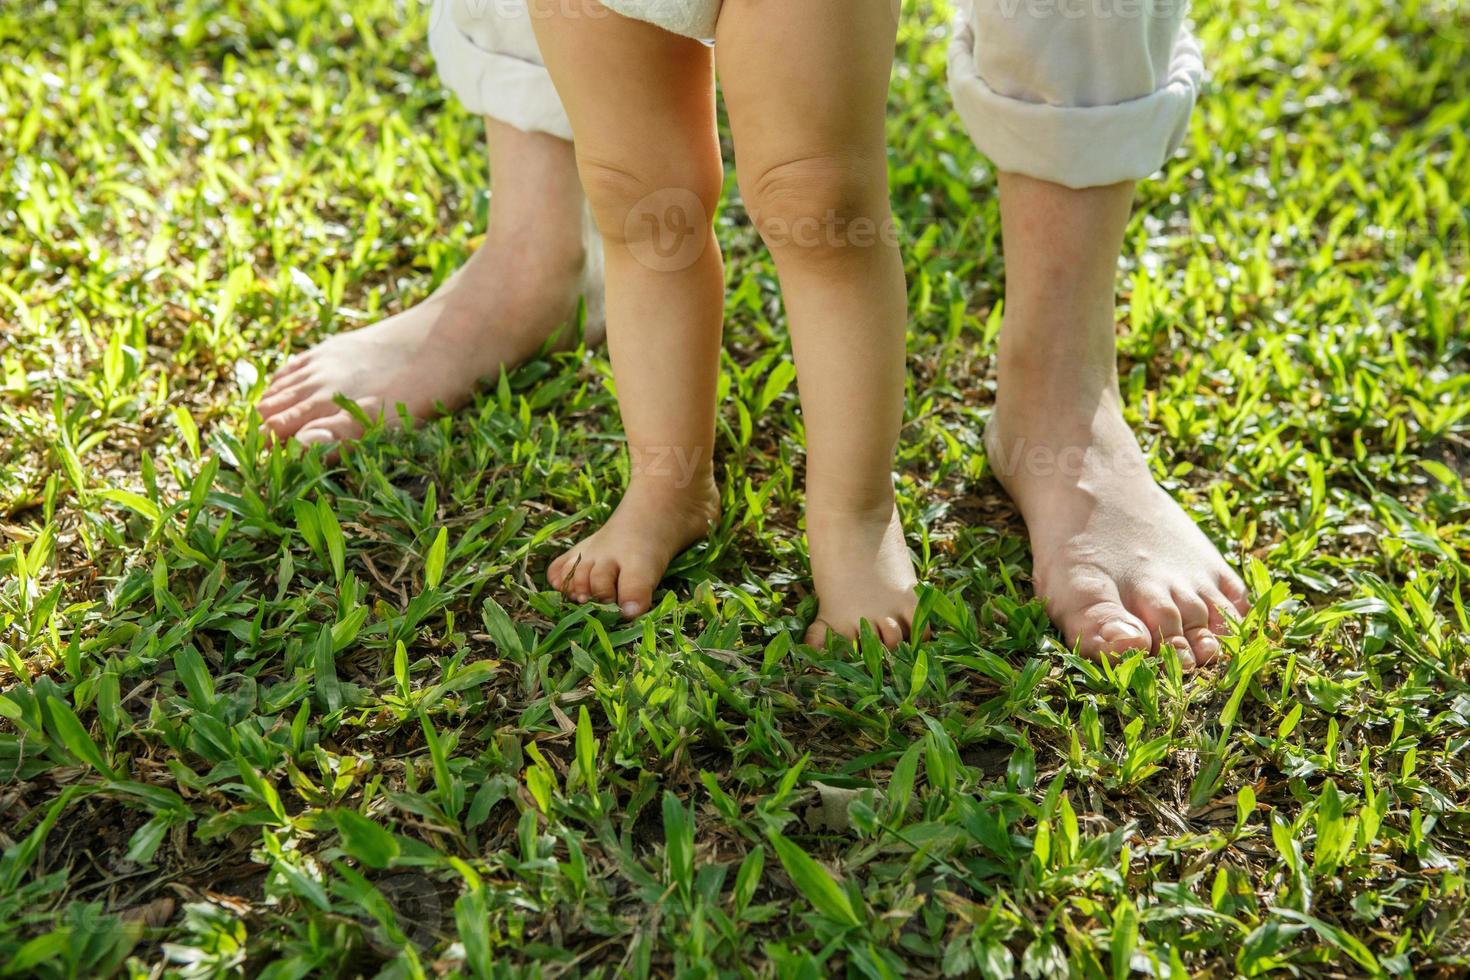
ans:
(266, 714)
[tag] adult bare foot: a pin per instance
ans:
(862, 571)
(1118, 563)
(496, 311)
(516, 292)
(624, 560)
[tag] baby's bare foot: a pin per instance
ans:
(1118, 563)
(494, 312)
(862, 571)
(624, 560)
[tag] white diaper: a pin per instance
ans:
(692, 18)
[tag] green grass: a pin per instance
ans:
(269, 716)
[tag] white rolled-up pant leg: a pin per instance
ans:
(1082, 93)
(487, 56)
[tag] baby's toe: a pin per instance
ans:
(556, 572)
(604, 580)
(636, 583)
(568, 574)
(890, 631)
(581, 578)
(816, 634)
(826, 627)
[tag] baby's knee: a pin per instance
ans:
(634, 203)
(820, 205)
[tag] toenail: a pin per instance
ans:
(581, 597)
(630, 609)
(1117, 629)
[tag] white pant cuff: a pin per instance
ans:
(504, 87)
(1076, 146)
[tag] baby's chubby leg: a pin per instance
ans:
(806, 84)
(641, 103)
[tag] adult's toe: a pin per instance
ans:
(1194, 615)
(1154, 606)
(1104, 627)
(1222, 610)
(1234, 589)
(1203, 644)
(293, 366)
(331, 430)
(1157, 607)
(283, 394)
(1182, 649)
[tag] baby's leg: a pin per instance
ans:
(806, 85)
(641, 102)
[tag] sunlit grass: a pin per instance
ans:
(264, 715)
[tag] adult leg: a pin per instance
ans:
(1074, 104)
(520, 288)
(642, 105)
(806, 85)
